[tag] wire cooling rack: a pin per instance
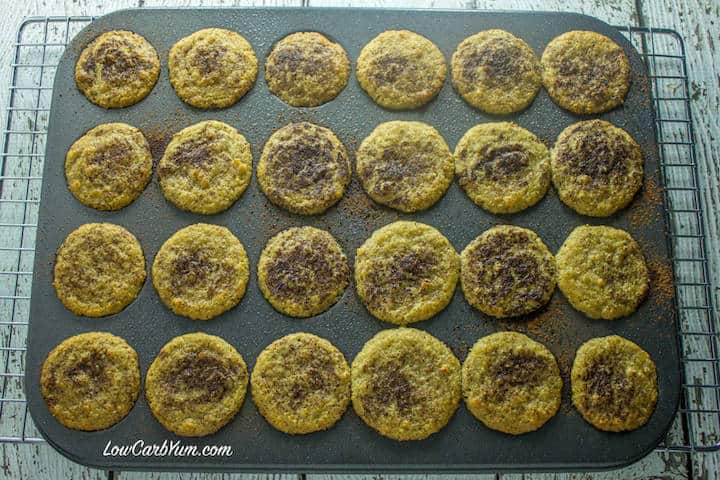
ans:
(39, 45)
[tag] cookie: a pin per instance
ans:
(400, 69)
(585, 72)
(196, 384)
(507, 271)
(602, 272)
(511, 383)
(303, 271)
(117, 69)
(496, 72)
(305, 69)
(502, 167)
(406, 384)
(304, 168)
(99, 269)
(201, 271)
(614, 384)
(301, 384)
(90, 381)
(406, 272)
(405, 165)
(212, 68)
(206, 167)
(109, 166)
(597, 168)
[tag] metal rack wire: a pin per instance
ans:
(40, 43)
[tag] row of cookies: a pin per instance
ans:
(404, 383)
(493, 70)
(596, 167)
(405, 272)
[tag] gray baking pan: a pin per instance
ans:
(566, 442)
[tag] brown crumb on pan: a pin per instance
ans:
(646, 210)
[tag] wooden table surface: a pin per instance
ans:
(698, 21)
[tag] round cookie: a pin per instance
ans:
(406, 384)
(303, 271)
(405, 165)
(212, 68)
(502, 167)
(585, 72)
(196, 384)
(496, 72)
(206, 167)
(99, 269)
(305, 69)
(304, 168)
(511, 383)
(602, 272)
(614, 384)
(90, 381)
(406, 272)
(117, 69)
(507, 271)
(201, 271)
(109, 166)
(301, 384)
(597, 168)
(400, 69)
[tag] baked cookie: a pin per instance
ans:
(585, 72)
(496, 72)
(206, 167)
(405, 384)
(406, 272)
(405, 165)
(502, 167)
(90, 381)
(99, 269)
(597, 168)
(303, 271)
(614, 384)
(511, 383)
(602, 272)
(109, 166)
(507, 271)
(400, 69)
(117, 69)
(301, 384)
(201, 271)
(212, 68)
(305, 69)
(304, 168)
(196, 384)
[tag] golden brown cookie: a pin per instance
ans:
(597, 168)
(109, 166)
(304, 168)
(301, 384)
(99, 269)
(406, 384)
(90, 381)
(305, 69)
(496, 72)
(585, 72)
(196, 384)
(511, 383)
(212, 68)
(614, 384)
(117, 69)
(602, 272)
(206, 167)
(400, 69)
(405, 165)
(201, 271)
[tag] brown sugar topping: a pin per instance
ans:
(203, 371)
